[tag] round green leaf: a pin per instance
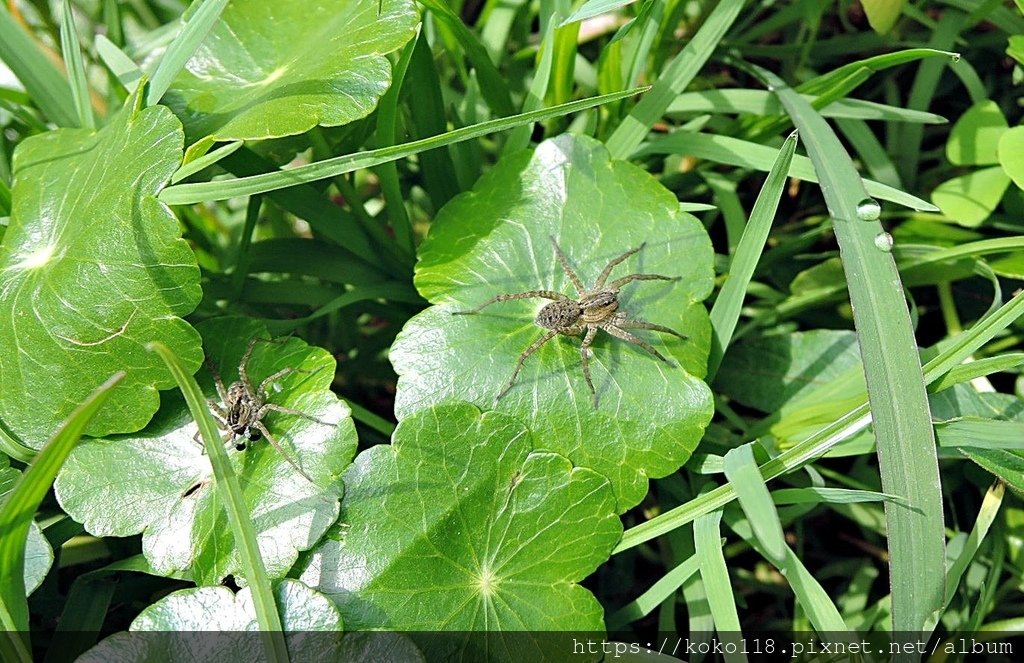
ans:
(1011, 154)
(38, 553)
(970, 199)
(497, 239)
(458, 526)
(974, 137)
(271, 68)
(91, 269)
(159, 481)
(222, 625)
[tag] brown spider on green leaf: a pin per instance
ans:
(596, 308)
(245, 406)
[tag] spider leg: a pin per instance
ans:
(219, 413)
(220, 416)
(622, 321)
(618, 332)
(610, 266)
(585, 360)
(277, 447)
(261, 391)
(564, 262)
(243, 376)
(523, 357)
(274, 407)
(618, 283)
(217, 381)
(532, 294)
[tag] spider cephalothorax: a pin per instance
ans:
(244, 407)
(596, 308)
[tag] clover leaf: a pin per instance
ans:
(159, 481)
(92, 268)
(458, 525)
(271, 68)
(498, 239)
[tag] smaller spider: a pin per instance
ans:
(596, 308)
(241, 415)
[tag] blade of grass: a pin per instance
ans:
(324, 217)
(905, 141)
(230, 493)
(592, 8)
(192, 167)
(986, 515)
(707, 538)
(120, 65)
(755, 500)
(876, 160)
(762, 102)
(243, 258)
(18, 512)
(821, 611)
(673, 80)
(726, 311)
(519, 138)
(492, 84)
(564, 56)
(186, 194)
(370, 419)
(180, 50)
(815, 495)
(395, 291)
(892, 369)
(427, 119)
(387, 127)
(75, 66)
(746, 154)
(47, 87)
(666, 586)
(977, 369)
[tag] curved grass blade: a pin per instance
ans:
(17, 513)
(72, 52)
(231, 493)
(186, 194)
(184, 45)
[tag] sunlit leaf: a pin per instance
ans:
(498, 239)
(271, 69)
(459, 525)
(91, 269)
(159, 482)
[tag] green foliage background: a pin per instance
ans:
(836, 194)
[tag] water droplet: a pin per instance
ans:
(955, 57)
(869, 210)
(884, 242)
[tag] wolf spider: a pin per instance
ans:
(241, 415)
(596, 308)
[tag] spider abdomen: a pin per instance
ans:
(559, 315)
